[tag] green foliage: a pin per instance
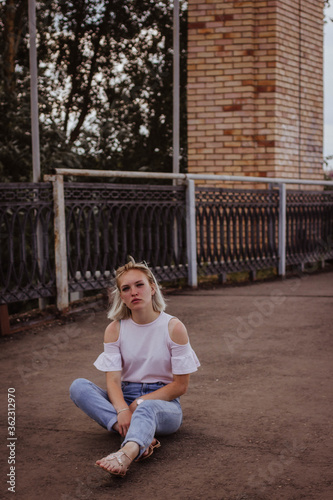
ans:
(105, 86)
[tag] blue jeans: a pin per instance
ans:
(151, 417)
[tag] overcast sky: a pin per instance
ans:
(328, 86)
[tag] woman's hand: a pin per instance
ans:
(124, 420)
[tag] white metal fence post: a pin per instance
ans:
(60, 242)
(282, 229)
(191, 234)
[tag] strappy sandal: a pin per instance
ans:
(149, 450)
(117, 456)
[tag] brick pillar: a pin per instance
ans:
(255, 88)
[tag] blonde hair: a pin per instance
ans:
(118, 309)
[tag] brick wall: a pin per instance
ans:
(255, 88)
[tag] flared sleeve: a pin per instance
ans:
(183, 359)
(109, 360)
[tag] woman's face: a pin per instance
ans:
(135, 290)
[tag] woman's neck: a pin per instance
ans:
(144, 317)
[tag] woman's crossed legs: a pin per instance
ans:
(150, 418)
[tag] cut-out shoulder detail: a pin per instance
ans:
(112, 332)
(177, 331)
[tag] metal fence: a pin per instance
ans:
(237, 229)
(27, 269)
(228, 230)
(106, 223)
(309, 227)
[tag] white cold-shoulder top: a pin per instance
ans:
(146, 353)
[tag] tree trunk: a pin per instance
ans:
(13, 26)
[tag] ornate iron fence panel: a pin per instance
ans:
(106, 223)
(27, 242)
(309, 235)
(237, 229)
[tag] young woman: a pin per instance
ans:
(147, 359)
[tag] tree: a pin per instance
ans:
(105, 85)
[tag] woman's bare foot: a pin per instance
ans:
(118, 463)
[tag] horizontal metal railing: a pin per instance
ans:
(185, 177)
